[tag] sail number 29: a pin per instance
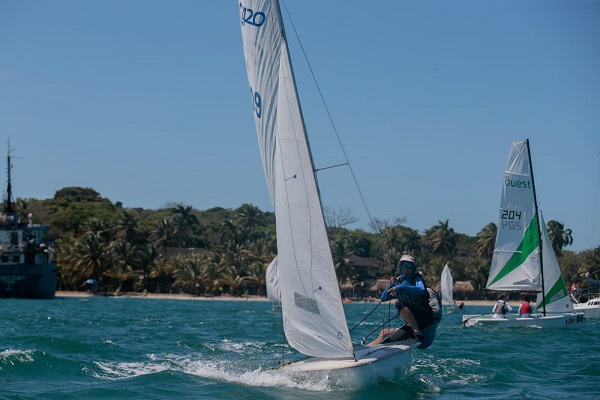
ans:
(511, 219)
(256, 103)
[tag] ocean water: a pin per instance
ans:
(143, 348)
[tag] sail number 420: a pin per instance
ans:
(511, 219)
(256, 103)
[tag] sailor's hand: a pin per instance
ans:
(392, 291)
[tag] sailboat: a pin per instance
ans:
(273, 289)
(447, 285)
(523, 259)
(313, 314)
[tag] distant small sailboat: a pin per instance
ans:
(273, 289)
(523, 259)
(447, 285)
(313, 315)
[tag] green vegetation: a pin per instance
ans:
(178, 249)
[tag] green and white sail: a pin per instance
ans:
(515, 263)
(313, 314)
(556, 297)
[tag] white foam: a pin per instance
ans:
(226, 371)
(12, 356)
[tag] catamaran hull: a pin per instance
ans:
(591, 309)
(549, 321)
(388, 361)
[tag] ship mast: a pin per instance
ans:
(8, 200)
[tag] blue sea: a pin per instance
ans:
(143, 348)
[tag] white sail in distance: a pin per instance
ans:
(447, 285)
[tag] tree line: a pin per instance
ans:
(179, 249)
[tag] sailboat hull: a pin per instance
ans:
(565, 320)
(386, 361)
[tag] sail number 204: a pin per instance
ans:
(511, 219)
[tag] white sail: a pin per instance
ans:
(272, 278)
(556, 295)
(447, 285)
(313, 314)
(515, 264)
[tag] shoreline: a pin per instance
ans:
(166, 296)
(175, 296)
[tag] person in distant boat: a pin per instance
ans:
(501, 307)
(591, 282)
(419, 306)
(525, 309)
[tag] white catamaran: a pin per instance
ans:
(313, 314)
(523, 258)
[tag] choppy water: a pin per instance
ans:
(140, 348)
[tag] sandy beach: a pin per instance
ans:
(174, 296)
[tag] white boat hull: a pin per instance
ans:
(536, 321)
(591, 309)
(389, 361)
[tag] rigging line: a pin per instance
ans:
(374, 226)
(363, 320)
(333, 166)
(380, 326)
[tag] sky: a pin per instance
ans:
(146, 102)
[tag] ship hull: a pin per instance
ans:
(28, 281)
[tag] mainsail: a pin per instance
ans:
(515, 264)
(313, 314)
(447, 285)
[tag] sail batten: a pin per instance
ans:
(313, 314)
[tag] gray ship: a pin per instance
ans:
(27, 260)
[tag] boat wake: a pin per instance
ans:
(220, 370)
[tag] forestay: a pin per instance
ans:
(515, 263)
(313, 314)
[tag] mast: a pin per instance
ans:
(8, 201)
(539, 232)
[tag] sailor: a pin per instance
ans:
(525, 309)
(501, 307)
(419, 306)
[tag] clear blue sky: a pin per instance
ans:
(146, 101)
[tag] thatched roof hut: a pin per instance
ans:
(463, 287)
(380, 285)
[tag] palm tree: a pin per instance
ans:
(93, 256)
(344, 270)
(441, 238)
(248, 217)
(127, 229)
(486, 240)
(165, 233)
(559, 236)
(410, 241)
(229, 234)
(185, 221)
